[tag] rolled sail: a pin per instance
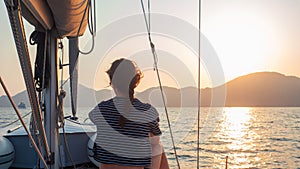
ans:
(68, 17)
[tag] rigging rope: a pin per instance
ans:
(147, 22)
(60, 113)
(67, 147)
(23, 123)
(199, 81)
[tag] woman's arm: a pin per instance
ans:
(156, 151)
(159, 159)
(164, 164)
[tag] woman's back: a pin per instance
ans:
(124, 124)
(128, 144)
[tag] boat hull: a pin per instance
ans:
(26, 156)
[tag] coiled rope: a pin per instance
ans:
(91, 24)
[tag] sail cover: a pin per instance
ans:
(37, 13)
(68, 17)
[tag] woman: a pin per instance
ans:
(124, 124)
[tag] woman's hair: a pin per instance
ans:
(124, 75)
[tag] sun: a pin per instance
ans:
(245, 41)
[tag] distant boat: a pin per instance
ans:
(21, 105)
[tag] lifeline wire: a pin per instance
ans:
(158, 76)
(15, 121)
(199, 80)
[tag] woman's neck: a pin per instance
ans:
(118, 93)
(121, 94)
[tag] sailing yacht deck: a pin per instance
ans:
(77, 137)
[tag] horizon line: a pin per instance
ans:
(207, 87)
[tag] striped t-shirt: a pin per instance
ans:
(128, 145)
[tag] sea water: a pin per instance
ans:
(249, 137)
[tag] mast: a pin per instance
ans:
(51, 93)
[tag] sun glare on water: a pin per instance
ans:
(236, 130)
(237, 120)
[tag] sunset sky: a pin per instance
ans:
(246, 35)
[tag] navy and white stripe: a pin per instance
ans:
(128, 145)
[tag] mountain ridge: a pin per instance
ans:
(259, 89)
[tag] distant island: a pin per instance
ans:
(261, 89)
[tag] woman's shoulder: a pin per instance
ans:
(144, 106)
(105, 102)
(107, 105)
(139, 103)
